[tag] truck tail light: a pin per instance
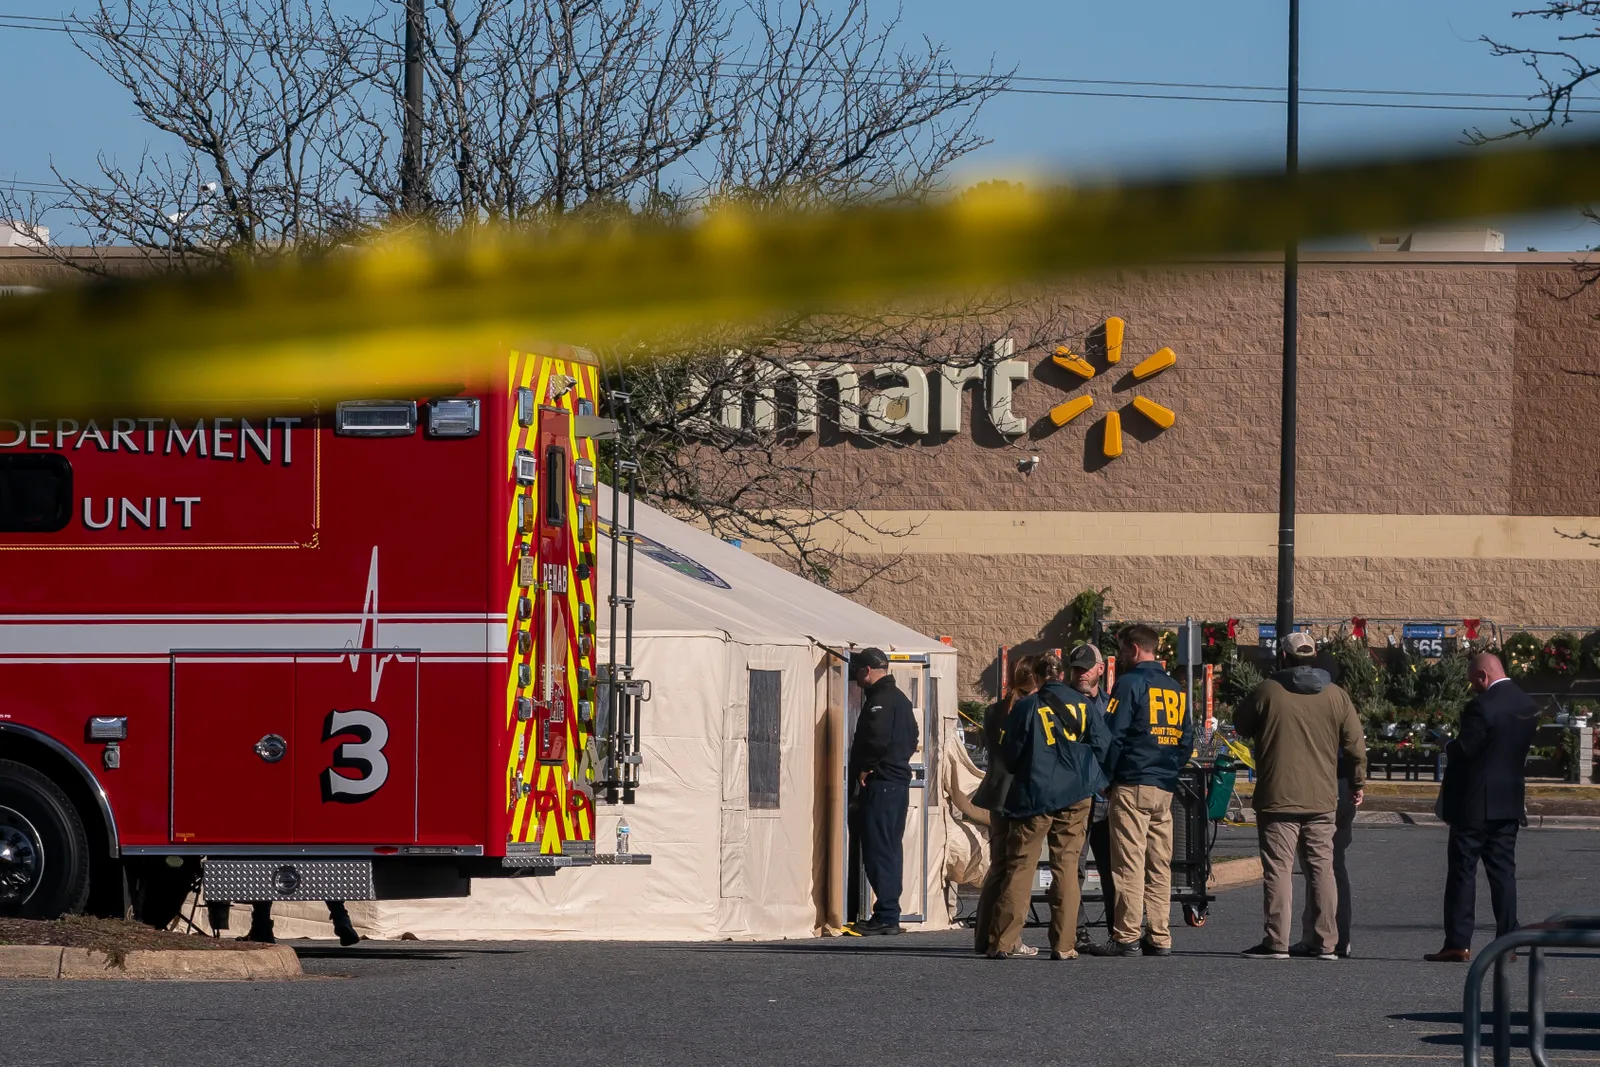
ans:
(583, 476)
(453, 416)
(525, 406)
(375, 418)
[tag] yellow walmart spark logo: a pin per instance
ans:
(1148, 368)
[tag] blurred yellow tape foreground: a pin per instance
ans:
(405, 314)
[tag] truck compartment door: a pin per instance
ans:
(355, 777)
(233, 747)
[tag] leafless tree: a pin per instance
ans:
(252, 94)
(1561, 69)
(732, 429)
(284, 120)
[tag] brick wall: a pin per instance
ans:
(985, 601)
(1406, 400)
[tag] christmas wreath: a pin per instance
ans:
(1521, 653)
(1563, 654)
(1215, 644)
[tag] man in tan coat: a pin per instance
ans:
(1300, 723)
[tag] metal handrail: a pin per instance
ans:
(1569, 930)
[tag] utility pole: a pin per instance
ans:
(411, 139)
(1291, 339)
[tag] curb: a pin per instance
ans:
(276, 962)
(1428, 818)
(1420, 818)
(1231, 873)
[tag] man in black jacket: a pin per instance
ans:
(880, 771)
(1482, 800)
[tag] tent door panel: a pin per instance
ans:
(912, 674)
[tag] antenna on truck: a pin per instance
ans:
(623, 694)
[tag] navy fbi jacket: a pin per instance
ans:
(1152, 734)
(1055, 743)
(886, 733)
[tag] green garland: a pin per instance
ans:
(1167, 650)
(1522, 654)
(1083, 610)
(1591, 652)
(1563, 654)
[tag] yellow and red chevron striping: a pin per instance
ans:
(560, 806)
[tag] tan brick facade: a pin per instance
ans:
(1463, 390)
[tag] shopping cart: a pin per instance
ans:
(1204, 797)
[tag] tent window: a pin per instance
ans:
(766, 700)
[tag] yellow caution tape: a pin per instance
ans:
(414, 313)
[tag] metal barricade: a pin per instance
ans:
(1568, 929)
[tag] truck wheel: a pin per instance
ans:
(44, 852)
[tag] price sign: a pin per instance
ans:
(1428, 640)
(1267, 634)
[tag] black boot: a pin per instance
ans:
(342, 925)
(261, 924)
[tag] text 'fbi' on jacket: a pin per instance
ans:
(1168, 709)
(1072, 727)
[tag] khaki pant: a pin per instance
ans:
(1343, 834)
(1311, 838)
(1141, 862)
(1066, 832)
(993, 879)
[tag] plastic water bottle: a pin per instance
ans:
(622, 837)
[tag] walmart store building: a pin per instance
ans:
(1449, 452)
(1449, 455)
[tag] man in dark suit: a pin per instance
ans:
(1482, 800)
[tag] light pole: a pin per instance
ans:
(411, 135)
(1291, 330)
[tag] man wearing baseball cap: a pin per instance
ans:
(1086, 672)
(1301, 724)
(880, 774)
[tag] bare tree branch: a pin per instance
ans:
(279, 125)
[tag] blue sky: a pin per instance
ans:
(59, 107)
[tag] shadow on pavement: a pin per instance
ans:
(1554, 1020)
(385, 952)
(848, 946)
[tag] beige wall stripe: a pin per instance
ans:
(1123, 533)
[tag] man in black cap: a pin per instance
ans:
(1086, 672)
(880, 772)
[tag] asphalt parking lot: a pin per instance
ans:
(919, 1000)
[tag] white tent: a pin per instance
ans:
(707, 615)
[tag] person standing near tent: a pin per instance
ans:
(880, 768)
(1054, 744)
(991, 796)
(1152, 737)
(1086, 670)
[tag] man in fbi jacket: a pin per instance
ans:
(1151, 739)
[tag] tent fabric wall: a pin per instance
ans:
(706, 614)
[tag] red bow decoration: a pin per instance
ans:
(1233, 627)
(1471, 626)
(1358, 627)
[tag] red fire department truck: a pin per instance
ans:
(337, 651)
